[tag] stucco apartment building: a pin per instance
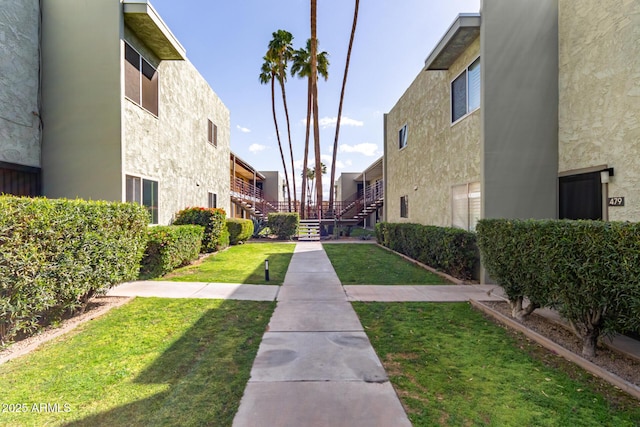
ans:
(102, 103)
(528, 109)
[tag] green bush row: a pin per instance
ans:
(283, 225)
(240, 230)
(56, 254)
(450, 250)
(170, 247)
(213, 220)
(588, 270)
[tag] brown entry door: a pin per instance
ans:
(581, 196)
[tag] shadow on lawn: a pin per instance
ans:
(206, 371)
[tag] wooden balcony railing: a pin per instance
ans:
(354, 207)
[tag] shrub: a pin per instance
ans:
(283, 225)
(240, 230)
(56, 254)
(513, 254)
(588, 270)
(213, 220)
(170, 247)
(447, 249)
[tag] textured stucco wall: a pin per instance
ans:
(173, 148)
(19, 82)
(438, 155)
(599, 116)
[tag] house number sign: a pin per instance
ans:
(616, 201)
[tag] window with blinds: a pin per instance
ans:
(466, 205)
(140, 80)
(143, 192)
(212, 133)
(465, 92)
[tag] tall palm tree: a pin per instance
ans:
(314, 94)
(344, 84)
(268, 75)
(280, 51)
(301, 66)
(311, 176)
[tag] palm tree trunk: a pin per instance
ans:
(286, 113)
(344, 84)
(275, 121)
(316, 125)
(305, 162)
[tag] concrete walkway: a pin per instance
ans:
(315, 365)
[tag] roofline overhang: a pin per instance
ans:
(375, 165)
(145, 22)
(234, 158)
(464, 30)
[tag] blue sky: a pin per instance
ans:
(226, 41)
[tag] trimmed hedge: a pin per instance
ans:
(213, 220)
(588, 270)
(240, 230)
(447, 249)
(170, 247)
(283, 225)
(56, 254)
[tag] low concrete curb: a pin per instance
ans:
(612, 379)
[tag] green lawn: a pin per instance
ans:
(452, 367)
(151, 362)
(240, 264)
(368, 264)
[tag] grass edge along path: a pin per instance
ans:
(452, 366)
(150, 362)
(369, 264)
(239, 264)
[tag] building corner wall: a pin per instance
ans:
(81, 99)
(519, 105)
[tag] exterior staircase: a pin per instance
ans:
(309, 230)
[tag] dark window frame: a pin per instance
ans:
(212, 133)
(402, 137)
(142, 85)
(404, 207)
(464, 88)
(143, 192)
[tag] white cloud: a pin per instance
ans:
(256, 148)
(243, 130)
(365, 148)
(326, 122)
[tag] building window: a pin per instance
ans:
(213, 200)
(140, 80)
(404, 207)
(145, 193)
(465, 205)
(465, 92)
(402, 137)
(212, 133)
